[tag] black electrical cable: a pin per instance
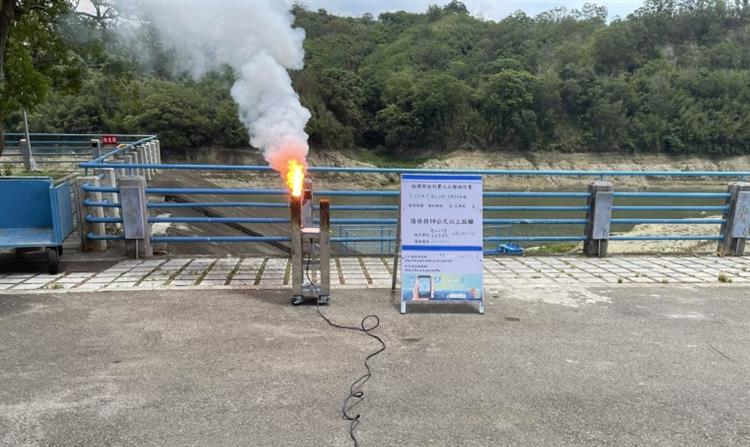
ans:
(356, 395)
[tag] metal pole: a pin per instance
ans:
(325, 250)
(26, 125)
(396, 251)
(96, 149)
(29, 164)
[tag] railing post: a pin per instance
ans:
(29, 164)
(158, 151)
(737, 220)
(152, 156)
(130, 159)
(119, 172)
(96, 149)
(141, 159)
(85, 227)
(108, 180)
(135, 159)
(148, 155)
(148, 160)
(598, 218)
(325, 244)
(135, 217)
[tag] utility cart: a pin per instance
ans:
(35, 213)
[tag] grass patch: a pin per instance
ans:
(340, 273)
(9, 169)
(230, 275)
(724, 278)
(205, 273)
(552, 249)
(177, 272)
(388, 267)
(143, 278)
(261, 269)
(364, 270)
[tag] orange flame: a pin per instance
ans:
(295, 176)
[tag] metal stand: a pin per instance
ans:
(396, 254)
(303, 288)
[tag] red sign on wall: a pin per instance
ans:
(109, 139)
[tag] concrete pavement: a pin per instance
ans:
(569, 365)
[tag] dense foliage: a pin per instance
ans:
(672, 77)
(34, 54)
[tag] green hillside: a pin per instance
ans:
(673, 77)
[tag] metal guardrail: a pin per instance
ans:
(375, 230)
(60, 151)
(487, 172)
(369, 225)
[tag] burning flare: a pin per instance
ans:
(295, 176)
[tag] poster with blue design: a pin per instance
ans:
(441, 238)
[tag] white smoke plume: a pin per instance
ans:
(257, 39)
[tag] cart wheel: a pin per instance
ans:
(53, 260)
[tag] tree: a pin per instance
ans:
(455, 7)
(672, 77)
(507, 100)
(104, 15)
(32, 54)
(613, 49)
(7, 17)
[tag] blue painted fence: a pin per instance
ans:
(354, 225)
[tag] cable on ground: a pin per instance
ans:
(356, 395)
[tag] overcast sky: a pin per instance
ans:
(489, 9)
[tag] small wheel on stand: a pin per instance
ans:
(323, 300)
(297, 300)
(53, 260)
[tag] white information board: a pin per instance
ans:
(441, 238)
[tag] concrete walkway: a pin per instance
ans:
(655, 365)
(375, 272)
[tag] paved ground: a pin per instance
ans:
(626, 365)
(373, 272)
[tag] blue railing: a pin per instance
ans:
(54, 148)
(366, 220)
(354, 238)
